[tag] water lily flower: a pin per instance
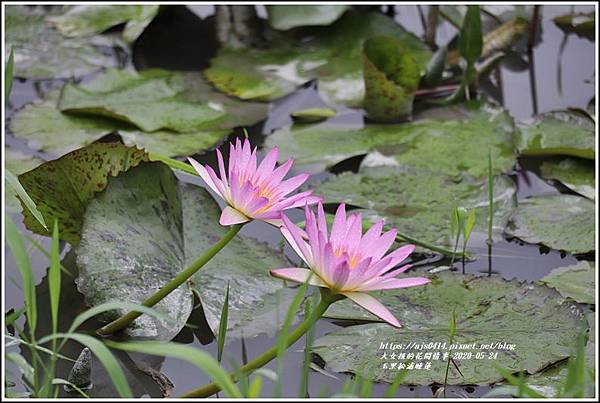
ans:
(346, 261)
(251, 191)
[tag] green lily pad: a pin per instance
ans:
(18, 163)
(258, 302)
(42, 52)
(146, 100)
(391, 78)
(398, 195)
(456, 138)
(576, 174)
(561, 222)
(332, 55)
(557, 133)
(131, 245)
(86, 20)
(576, 282)
(535, 319)
(286, 16)
(62, 188)
(313, 114)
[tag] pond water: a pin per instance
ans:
(180, 40)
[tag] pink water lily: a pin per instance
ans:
(251, 191)
(346, 261)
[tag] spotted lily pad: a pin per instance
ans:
(561, 222)
(489, 312)
(42, 52)
(576, 174)
(287, 16)
(558, 133)
(61, 188)
(576, 281)
(456, 138)
(18, 163)
(258, 302)
(418, 202)
(85, 20)
(132, 244)
(332, 55)
(146, 100)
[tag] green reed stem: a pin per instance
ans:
(327, 298)
(181, 278)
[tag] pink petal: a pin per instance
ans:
(338, 229)
(395, 258)
(291, 233)
(371, 236)
(354, 234)
(204, 175)
(231, 216)
(321, 221)
(221, 166)
(298, 275)
(267, 165)
(383, 244)
(373, 306)
(277, 175)
(289, 185)
(397, 283)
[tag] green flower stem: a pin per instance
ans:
(181, 278)
(327, 298)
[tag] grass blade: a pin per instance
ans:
(27, 201)
(187, 353)
(15, 242)
(393, 388)
(8, 74)
(223, 325)
(54, 277)
(60, 381)
(490, 198)
(307, 354)
(576, 374)
(523, 389)
(173, 163)
(9, 318)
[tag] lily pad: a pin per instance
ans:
(561, 222)
(576, 282)
(557, 133)
(18, 163)
(42, 52)
(398, 195)
(132, 244)
(287, 16)
(86, 20)
(456, 138)
(146, 100)
(61, 188)
(258, 302)
(535, 319)
(333, 55)
(576, 174)
(313, 114)
(582, 24)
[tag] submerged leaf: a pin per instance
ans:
(489, 311)
(557, 133)
(576, 174)
(561, 222)
(42, 52)
(332, 55)
(576, 281)
(288, 16)
(391, 76)
(85, 20)
(62, 188)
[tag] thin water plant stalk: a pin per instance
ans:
(178, 280)
(490, 199)
(327, 298)
(451, 339)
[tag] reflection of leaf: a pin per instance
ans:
(575, 281)
(399, 195)
(391, 77)
(287, 16)
(43, 52)
(85, 20)
(257, 302)
(132, 244)
(332, 55)
(557, 133)
(61, 188)
(488, 311)
(561, 222)
(576, 174)
(456, 138)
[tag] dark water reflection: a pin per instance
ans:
(180, 39)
